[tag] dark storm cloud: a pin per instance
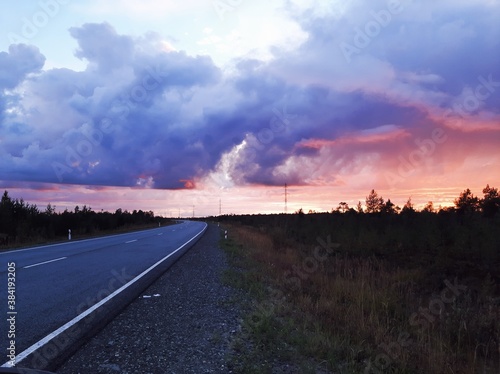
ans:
(145, 115)
(120, 122)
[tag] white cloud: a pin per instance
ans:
(145, 9)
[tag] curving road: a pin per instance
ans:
(56, 283)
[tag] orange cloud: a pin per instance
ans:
(386, 133)
(189, 184)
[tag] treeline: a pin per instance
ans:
(462, 240)
(466, 202)
(21, 222)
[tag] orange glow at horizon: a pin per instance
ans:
(237, 200)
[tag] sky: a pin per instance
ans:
(197, 107)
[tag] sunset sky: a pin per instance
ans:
(173, 106)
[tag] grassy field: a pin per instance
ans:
(366, 294)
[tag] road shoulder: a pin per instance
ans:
(182, 323)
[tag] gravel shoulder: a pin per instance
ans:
(183, 323)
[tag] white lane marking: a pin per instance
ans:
(45, 262)
(131, 241)
(10, 252)
(160, 234)
(21, 356)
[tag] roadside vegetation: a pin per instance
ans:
(375, 289)
(23, 224)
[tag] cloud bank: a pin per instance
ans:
(394, 92)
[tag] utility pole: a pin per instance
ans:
(193, 211)
(220, 207)
(286, 199)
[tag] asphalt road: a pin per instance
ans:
(56, 283)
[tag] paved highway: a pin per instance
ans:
(56, 283)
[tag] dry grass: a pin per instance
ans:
(342, 310)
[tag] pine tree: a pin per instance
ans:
(374, 203)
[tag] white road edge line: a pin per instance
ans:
(45, 262)
(21, 356)
(131, 241)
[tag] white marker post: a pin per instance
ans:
(69, 234)
(225, 234)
